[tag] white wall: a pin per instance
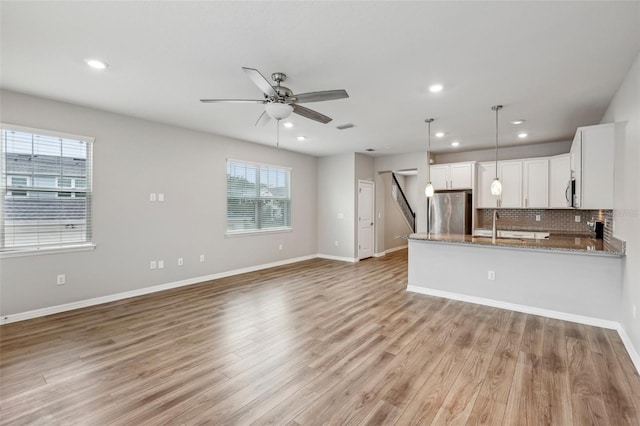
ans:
(411, 190)
(506, 153)
(132, 158)
(336, 196)
(625, 108)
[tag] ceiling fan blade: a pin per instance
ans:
(263, 119)
(259, 80)
(309, 113)
(326, 95)
(234, 101)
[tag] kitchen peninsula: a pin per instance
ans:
(565, 277)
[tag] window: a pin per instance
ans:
(45, 189)
(258, 197)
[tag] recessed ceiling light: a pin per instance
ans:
(301, 138)
(288, 125)
(522, 135)
(520, 121)
(439, 134)
(369, 149)
(96, 64)
(435, 88)
(455, 143)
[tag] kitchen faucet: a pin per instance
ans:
(494, 232)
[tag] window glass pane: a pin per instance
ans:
(39, 216)
(258, 196)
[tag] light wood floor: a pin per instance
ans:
(317, 342)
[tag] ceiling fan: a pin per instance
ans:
(280, 101)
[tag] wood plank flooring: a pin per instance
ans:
(316, 342)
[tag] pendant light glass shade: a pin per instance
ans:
(429, 190)
(496, 185)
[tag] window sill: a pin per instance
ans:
(232, 234)
(46, 250)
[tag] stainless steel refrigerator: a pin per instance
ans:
(450, 213)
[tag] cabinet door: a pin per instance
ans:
(439, 176)
(597, 177)
(576, 167)
(559, 180)
(510, 173)
(535, 182)
(461, 176)
(486, 172)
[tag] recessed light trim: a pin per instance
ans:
(519, 121)
(523, 135)
(435, 88)
(301, 138)
(455, 144)
(369, 149)
(288, 125)
(96, 64)
(439, 134)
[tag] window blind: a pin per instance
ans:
(258, 197)
(45, 190)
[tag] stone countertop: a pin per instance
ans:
(560, 243)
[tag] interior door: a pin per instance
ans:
(365, 219)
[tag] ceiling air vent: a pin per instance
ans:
(345, 126)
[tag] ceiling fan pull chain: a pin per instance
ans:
(278, 133)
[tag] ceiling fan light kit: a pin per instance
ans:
(278, 111)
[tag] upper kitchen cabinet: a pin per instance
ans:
(592, 158)
(535, 183)
(510, 174)
(486, 172)
(560, 181)
(452, 176)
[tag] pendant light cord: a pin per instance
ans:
(496, 108)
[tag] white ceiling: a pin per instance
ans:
(556, 64)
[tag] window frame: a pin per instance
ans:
(258, 231)
(27, 250)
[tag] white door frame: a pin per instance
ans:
(373, 210)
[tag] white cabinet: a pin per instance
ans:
(452, 176)
(510, 174)
(486, 172)
(535, 183)
(559, 181)
(592, 163)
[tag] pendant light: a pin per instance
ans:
(496, 185)
(428, 190)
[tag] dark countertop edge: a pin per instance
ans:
(434, 239)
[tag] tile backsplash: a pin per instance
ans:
(554, 221)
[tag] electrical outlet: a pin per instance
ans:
(280, 246)
(491, 275)
(335, 243)
(160, 264)
(180, 261)
(61, 280)
(201, 258)
(537, 218)
(152, 264)
(152, 196)
(577, 218)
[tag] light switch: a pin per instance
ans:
(152, 196)
(160, 196)
(340, 215)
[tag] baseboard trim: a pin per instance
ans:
(340, 258)
(628, 344)
(580, 319)
(391, 250)
(379, 254)
(22, 316)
